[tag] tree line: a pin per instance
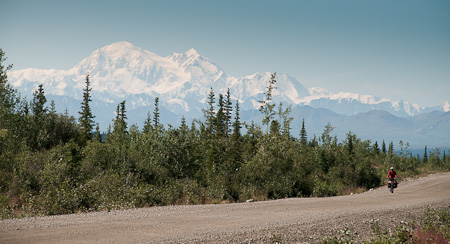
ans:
(53, 163)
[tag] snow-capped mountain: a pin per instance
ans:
(182, 81)
(352, 104)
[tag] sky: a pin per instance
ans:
(390, 49)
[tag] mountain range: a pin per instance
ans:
(182, 81)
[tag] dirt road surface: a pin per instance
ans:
(294, 220)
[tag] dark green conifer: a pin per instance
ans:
(303, 134)
(210, 114)
(376, 150)
(156, 113)
(237, 123)
(228, 109)
(147, 124)
(425, 155)
(220, 122)
(97, 134)
(86, 117)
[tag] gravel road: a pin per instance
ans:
(294, 220)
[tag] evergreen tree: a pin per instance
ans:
(236, 138)
(123, 115)
(391, 149)
(117, 121)
(266, 107)
(350, 146)
(52, 107)
(97, 134)
(38, 131)
(444, 159)
(285, 119)
(86, 117)
(156, 113)
(220, 122)
(228, 111)
(275, 128)
(147, 124)
(210, 114)
(193, 127)
(237, 124)
(50, 126)
(119, 132)
(313, 142)
(383, 147)
(38, 104)
(303, 134)
(425, 155)
(183, 125)
(376, 150)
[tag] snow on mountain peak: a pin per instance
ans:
(114, 56)
(318, 92)
(323, 98)
(121, 49)
(119, 46)
(445, 106)
(192, 53)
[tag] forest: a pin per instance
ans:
(53, 163)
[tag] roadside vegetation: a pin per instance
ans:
(53, 163)
(432, 227)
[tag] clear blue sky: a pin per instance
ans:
(393, 49)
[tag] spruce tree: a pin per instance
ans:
(123, 115)
(147, 124)
(376, 150)
(119, 132)
(303, 134)
(228, 111)
(86, 117)
(237, 124)
(156, 113)
(37, 137)
(313, 142)
(425, 155)
(391, 148)
(350, 141)
(383, 147)
(38, 104)
(267, 108)
(236, 154)
(275, 128)
(183, 125)
(210, 114)
(444, 159)
(220, 121)
(97, 134)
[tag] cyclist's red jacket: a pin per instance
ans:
(391, 174)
